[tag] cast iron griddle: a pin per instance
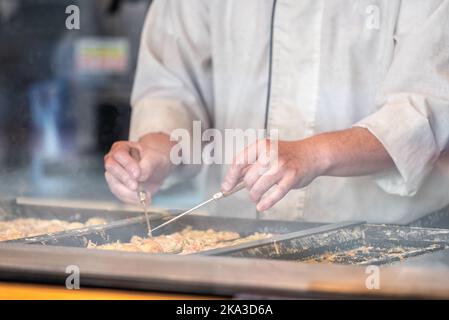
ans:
(342, 243)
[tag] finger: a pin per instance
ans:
(114, 168)
(264, 184)
(121, 154)
(127, 145)
(253, 174)
(234, 175)
(120, 191)
(283, 187)
(240, 163)
(147, 168)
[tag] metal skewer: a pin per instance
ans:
(142, 194)
(216, 196)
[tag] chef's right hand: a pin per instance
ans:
(123, 173)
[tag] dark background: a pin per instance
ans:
(86, 114)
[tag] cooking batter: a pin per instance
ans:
(30, 227)
(358, 91)
(185, 242)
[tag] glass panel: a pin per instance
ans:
(222, 77)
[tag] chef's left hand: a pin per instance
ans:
(295, 165)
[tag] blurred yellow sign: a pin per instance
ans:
(102, 56)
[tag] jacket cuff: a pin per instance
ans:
(158, 116)
(407, 136)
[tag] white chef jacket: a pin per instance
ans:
(377, 64)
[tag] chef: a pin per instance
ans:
(357, 91)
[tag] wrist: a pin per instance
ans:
(320, 151)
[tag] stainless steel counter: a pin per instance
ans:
(220, 276)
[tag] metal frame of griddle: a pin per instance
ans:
(218, 276)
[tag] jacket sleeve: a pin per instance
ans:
(412, 121)
(173, 82)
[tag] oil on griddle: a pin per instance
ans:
(357, 244)
(373, 255)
